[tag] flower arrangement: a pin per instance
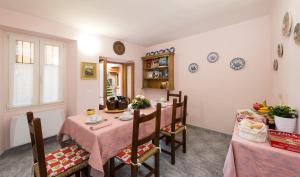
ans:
(283, 111)
(140, 102)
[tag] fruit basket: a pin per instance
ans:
(284, 140)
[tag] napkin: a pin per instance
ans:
(101, 125)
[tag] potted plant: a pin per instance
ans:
(285, 118)
(140, 102)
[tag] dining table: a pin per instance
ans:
(114, 135)
(251, 159)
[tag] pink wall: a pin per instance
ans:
(216, 91)
(286, 82)
(89, 97)
(1, 92)
(80, 94)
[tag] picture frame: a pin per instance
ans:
(88, 71)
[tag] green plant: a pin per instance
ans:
(140, 102)
(283, 111)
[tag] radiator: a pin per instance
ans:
(51, 121)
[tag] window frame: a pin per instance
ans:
(39, 44)
(62, 69)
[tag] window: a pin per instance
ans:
(52, 86)
(35, 71)
(24, 52)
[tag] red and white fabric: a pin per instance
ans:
(125, 154)
(167, 129)
(65, 158)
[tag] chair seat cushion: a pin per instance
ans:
(63, 159)
(144, 151)
(178, 128)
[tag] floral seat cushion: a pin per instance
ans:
(63, 159)
(144, 151)
(178, 128)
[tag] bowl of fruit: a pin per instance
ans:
(261, 108)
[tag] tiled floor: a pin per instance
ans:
(206, 152)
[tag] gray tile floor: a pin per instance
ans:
(206, 152)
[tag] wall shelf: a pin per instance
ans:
(158, 71)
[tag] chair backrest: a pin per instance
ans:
(154, 137)
(37, 143)
(174, 95)
(182, 118)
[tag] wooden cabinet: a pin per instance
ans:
(158, 71)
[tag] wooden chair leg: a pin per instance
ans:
(77, 174)
(134, 171)
(112, 167)
(184, 141)
(156, 161)
(85, 172)
(173, 149)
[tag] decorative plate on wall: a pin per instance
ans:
(237, 63)
(287, 24)
(193, 67)
(280, 50)
(212, 57)
(297, 33)
(275, 65)
(119, 48)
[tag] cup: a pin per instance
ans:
(93, 118)
(163, 99)
(127, 113)
(90, 112)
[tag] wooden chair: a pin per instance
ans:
(141, 149)
(177, 126)
(60, 163)
(174, 95)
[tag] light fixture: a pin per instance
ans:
(88, 44)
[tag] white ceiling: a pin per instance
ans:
(144, 22)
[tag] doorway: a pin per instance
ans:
(116, 79)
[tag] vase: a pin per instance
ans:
(285, 124)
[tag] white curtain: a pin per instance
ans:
(52, 76)
(23, 85)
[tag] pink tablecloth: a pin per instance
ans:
(250, 159)
(108, 141)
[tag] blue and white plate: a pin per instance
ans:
(212, 57)
(193, 67)
(237, 63)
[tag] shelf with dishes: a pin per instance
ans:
(156, 78)
(158, 71)
(159, 68)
